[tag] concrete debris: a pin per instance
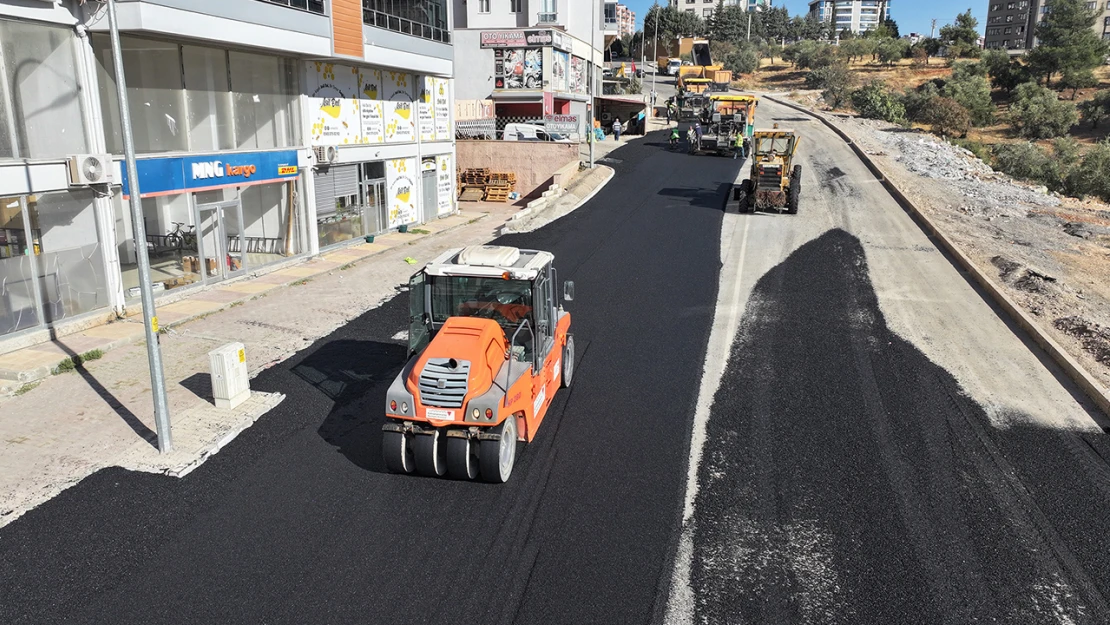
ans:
(1079, 230)
(1094, 337)
(933, 158)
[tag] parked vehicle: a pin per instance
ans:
(672, 67)
(532, 132)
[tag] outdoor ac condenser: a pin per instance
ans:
(230, 384)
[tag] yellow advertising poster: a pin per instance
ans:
(445, 185)
(399, 102)
(441, 101)
(371, 106)
(427, 110)
(400, 177)
(333, 104)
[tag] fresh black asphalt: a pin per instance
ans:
(847, 480)
(297, 522)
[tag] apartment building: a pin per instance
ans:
(626, 20)
(1011, 24)
(856, 16)
(531, 57)
(705, 8)
(265, 130)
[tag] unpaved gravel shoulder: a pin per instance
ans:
(1050, 253)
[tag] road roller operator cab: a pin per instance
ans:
(489, 344)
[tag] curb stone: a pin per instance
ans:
(1071, 367)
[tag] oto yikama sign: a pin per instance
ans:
(517, 38)
(562, 124)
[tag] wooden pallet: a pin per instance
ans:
(472, 194)
(498, 193)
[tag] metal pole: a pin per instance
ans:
(593, 78)
(749, 25)
(655, 45)
(150, 320)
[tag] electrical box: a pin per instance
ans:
(230, 384)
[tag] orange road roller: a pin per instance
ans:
(489, 345)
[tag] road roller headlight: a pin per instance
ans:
(475, 413)
(405, 407)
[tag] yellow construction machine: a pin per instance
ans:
(775, 181)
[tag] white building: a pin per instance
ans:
(230, 101)
(531, 57)
(705, 8)
(854, 15)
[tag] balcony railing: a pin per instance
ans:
(312, 6)
(384, 14)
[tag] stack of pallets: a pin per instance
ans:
(482, 184)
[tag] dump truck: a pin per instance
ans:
(694, 85)
(726, 117)
(719, 79)
(775, 181)
(489, 345)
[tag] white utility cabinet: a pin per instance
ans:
(230, 384)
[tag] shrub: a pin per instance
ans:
(875, 101)
(1078, 79)
(981, 150)
(1096, 109)
(920, 58)
(917, 101)
(1037, 113)
(947, 117)
(744, 61)
(972, 91)
(891, 51)
(1022, 160)
(1089, 177)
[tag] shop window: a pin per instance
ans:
(17, 290)
(41, 97)
(154, 94)
(350, 202)
(270, 227)
(70, 259)
(171, 242)
(209, 99)
(264, 92)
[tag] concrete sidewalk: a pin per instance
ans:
(63, 427)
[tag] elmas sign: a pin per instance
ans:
(182, 174)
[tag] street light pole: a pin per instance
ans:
(150, 320)
(655, 46)
(593, 78)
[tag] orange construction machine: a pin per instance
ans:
(489, 344)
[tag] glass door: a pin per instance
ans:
(222, 248)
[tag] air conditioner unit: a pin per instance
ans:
(230, 384)
(326, 154)
(89, 169)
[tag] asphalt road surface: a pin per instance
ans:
(775, 419)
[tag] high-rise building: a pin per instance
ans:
(626, 20)
(854, 15)
(1011, 24)
(265, 130)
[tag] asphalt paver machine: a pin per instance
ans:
(489, 345)
(726, 117)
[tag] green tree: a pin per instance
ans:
(743, 61)
(961, 37)
(1097, 109)
(776, 24)
(808, 27)
(917, 101)
(728, 23)
(1037, 113)
(1089, 178)
(836, 82)
(673, 23)
(892, 28)
(1067, 42)
(1078, 79)
(891, 51)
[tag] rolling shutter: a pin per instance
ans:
(333, 182)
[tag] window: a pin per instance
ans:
(706, 12)
(37, 76)
(255, 110)
(315, 6)
(483, 6)
(514, 6)
(426, 19)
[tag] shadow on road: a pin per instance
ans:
(355, 376)
(703, 197)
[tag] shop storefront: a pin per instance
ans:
(52, 261)
(225, 214)
(231, 204)
(380, 139)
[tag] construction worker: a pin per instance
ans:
(691, 138)
(737, 146)
(697, 134)
(674, 137)
(671, 112)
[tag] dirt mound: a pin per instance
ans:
(1094, 338)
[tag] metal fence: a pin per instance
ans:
(429, 23)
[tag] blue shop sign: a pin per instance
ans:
(181, 174)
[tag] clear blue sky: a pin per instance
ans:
(911, 15)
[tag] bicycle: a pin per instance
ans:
(179, 238)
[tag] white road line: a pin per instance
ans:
(726, 323)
